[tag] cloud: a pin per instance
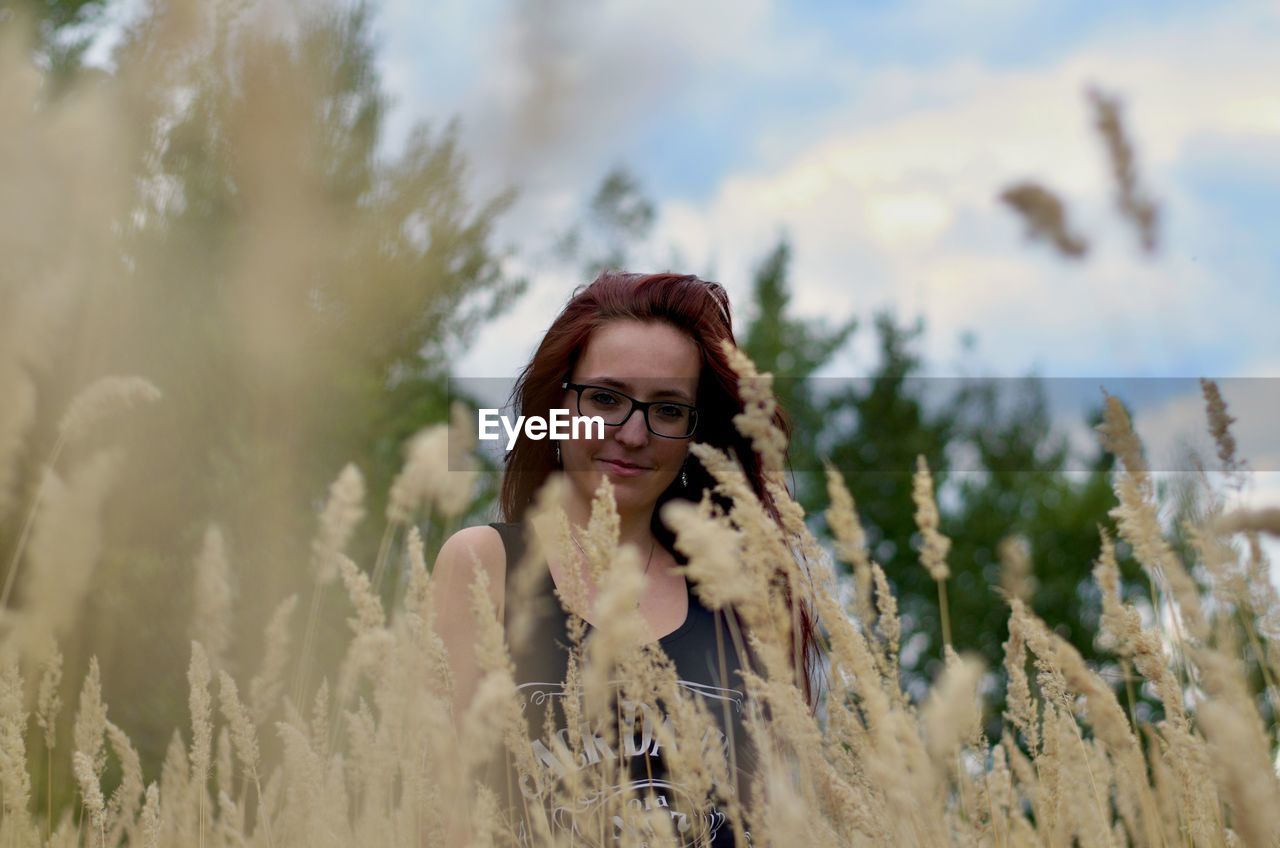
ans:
(887, 178)
(899, 207)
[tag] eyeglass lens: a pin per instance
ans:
(666, 419)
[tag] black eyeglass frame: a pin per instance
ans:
(642, 405)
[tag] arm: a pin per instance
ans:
(452, 576)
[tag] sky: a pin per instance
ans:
(877, 137)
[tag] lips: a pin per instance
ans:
(621, 467)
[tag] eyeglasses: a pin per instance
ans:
(664, 418)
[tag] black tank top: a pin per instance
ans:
(541, 664)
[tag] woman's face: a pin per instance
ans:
(648, 360)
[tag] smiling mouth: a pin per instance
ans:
(620, 464)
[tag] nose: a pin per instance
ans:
(633, 432)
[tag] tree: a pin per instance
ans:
(793, 350)
(617, 216)
(295, 297)
(62, 30)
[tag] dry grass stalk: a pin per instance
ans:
(211, 620)
(1017, 579)
(1134, 203)
(1045, 217)
(850, 542)
(102, 399)
(60, 571)
(933, 552)
(1137, 516)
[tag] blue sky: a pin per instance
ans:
(877, 136)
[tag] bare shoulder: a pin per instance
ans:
(460, 555)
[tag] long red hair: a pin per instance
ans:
(700, 309)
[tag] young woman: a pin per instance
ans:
(643, 352)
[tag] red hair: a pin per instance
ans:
(701, 310)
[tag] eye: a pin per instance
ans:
(672, 411)
(603, 398)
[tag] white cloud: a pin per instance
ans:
(900, 207)
(890, 195)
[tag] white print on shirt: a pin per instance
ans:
(669, 796)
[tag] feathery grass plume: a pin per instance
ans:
(321, 726)
(178, 814)
(1220, 426)
(366, 657)
(493, 717)
(756, 420)
(91, 719)
(1109, 725)
(1228, 574)
(824, 789)
(1020, 706)
(1263, 520)
(933, 551)
(423, 474)
(315, 808)
(696, 752)
(1135, 204)
(243, 733)
(1046, 218)
(369, 614)
(48, 697)
(1137, 519)
(603, 529)
(714, 557)
(122, 807)
(66, 540)
(91, 791)
(1082, 816)
(1016, 577)
(419, 614)
(214, 596)
(767, 561)
(618, 603)
(1240, 750)
(229, 822)
(15, 784)
(439, 470)
(150, 819)
(889, 627)
(102, 399)
(850, 541)
(952, 709)
(342, 512)
(266, 687)
(201, 704)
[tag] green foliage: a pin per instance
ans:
(295, 296)
(62, 31)
(793, 350)
(617, 216)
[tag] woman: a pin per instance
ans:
(642, 352)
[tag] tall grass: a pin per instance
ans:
(287, 743)
(374, 756)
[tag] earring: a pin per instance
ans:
(684, 477)
(557, 454)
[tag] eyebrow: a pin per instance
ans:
(626, 387)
